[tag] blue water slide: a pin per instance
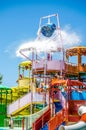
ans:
(84, 95)
(65, 95)
(75, 95)
(45, 127)
(58, 106)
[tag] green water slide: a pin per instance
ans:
(5, 98)
(3, 113)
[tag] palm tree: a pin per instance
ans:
(1, 77)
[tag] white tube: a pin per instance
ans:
(82, 110)
(81, 125)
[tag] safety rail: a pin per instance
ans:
(71, 68)
(74, 104)
(82, 68)
(51, 65)
(55, 121)
(74, 68)
(73, 109)
(24, 82)
(19, 104)
(27, 119)
(41, 121)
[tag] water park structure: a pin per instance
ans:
(51, 91)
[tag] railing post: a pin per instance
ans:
(27, 123)
(23, 123)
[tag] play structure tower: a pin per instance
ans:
(78, 69)
(48, 60)
(46, 79)
(24, 74)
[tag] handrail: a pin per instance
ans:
(55, 121)
(40, 122)
(24, 101)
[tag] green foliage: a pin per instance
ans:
(1, 77)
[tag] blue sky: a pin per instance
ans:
(19, 21)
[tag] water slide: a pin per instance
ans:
(80, 125)
(24, 102)
(78, 95)
(59, 105)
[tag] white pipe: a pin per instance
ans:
(82, 110)
(49, 16)
(81, 125)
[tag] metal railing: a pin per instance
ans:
(28, 120)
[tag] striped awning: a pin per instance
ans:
(76, 50)
(25, 63)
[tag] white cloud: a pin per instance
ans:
(68, 38)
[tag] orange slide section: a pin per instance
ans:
(41, 121)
